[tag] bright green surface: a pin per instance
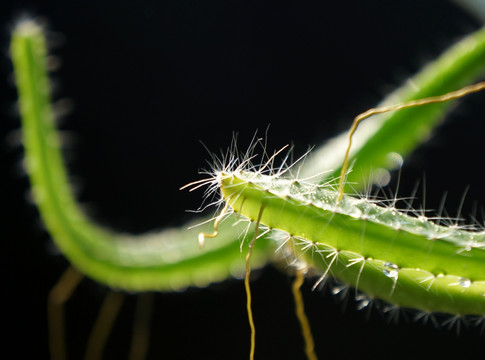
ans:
(402, 131)
(167, 261)
(357, 230)
(172, 260)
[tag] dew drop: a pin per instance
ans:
(394, 160)
(337, 289)
(391, 270)
(381, 177)
(362, 302)
(464, 282)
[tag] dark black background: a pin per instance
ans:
(148, 80)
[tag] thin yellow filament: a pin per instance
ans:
(413, 103)
(203, 236)
(248, 288)
(104, 324)
(58, 296)
(302, 318)
(141, 327)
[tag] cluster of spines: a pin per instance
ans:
(392, 313)
(289, 246)
(283, 182)
(325, 196)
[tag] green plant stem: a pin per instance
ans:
(402, 131)
(171, 259)
(167, 260)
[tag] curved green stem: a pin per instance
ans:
(402, 131)
(172, 259)
(408, 261)
(167, 260)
